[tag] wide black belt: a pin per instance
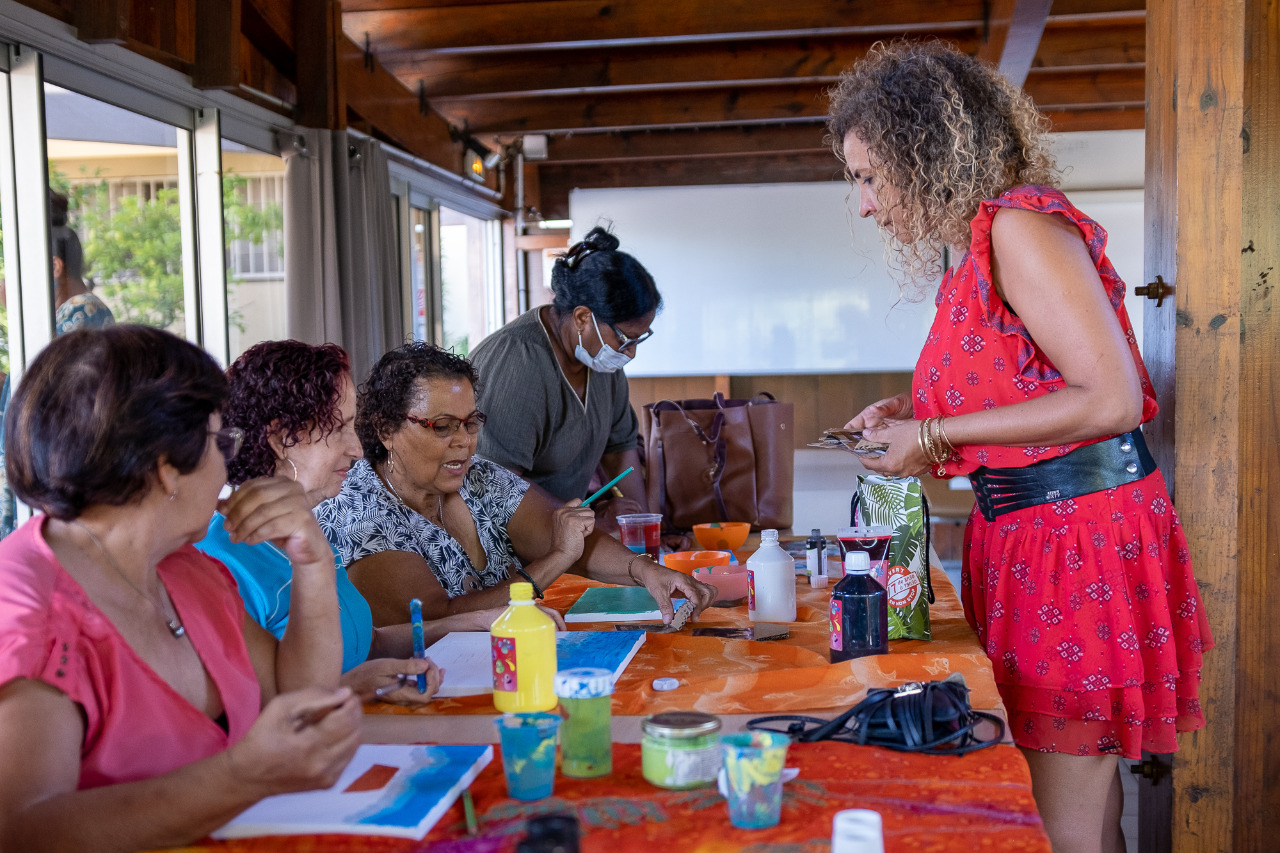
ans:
(1085, 470)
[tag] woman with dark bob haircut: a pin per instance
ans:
(421, 516)
(553, 380)
(1076, 576)
(296, 405)
(141, 706)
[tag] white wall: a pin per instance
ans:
(783, 278)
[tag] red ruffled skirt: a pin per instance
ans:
(1092, 619)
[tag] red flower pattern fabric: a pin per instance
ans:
(979, 355)
(1087, 607)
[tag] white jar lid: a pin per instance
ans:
(583, 682)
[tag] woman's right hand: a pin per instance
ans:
(571, 524)
(897, 407)
(394, 680)
(300, 742)
(275, 509)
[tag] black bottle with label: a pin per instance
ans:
(859, 612)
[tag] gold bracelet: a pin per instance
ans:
(920, 437)
(930, 452)
(629, 564)
(942, 434)
(943, 452)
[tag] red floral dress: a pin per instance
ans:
(1087, 607)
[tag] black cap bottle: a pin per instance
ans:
(859, 612)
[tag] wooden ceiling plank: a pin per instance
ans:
(510, 75)
(738, 104)
(1085, 44)
(550, 22)
(273, 38)
(1012, 36)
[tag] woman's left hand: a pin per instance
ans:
(275, 509)
(393, 680)
(664, 584)
(904, 458)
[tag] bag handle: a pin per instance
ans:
(712, 439)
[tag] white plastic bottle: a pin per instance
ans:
(771, 582)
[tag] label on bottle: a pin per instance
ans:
(837, 623)
(751, 589)
(903, 587)
(504, 663)
(813, 562)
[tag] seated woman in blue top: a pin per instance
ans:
(296, 405)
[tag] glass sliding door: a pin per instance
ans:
(253, 227)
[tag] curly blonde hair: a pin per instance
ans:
(946, 132)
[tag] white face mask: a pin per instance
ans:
(607, 360)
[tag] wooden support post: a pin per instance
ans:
(317, 26)
(1213, 232)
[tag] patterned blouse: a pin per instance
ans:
(366, 518)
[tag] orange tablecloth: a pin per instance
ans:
(931, 804)
(745, 677)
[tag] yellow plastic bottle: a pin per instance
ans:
(523, 643)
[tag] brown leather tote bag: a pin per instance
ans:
(721, 460)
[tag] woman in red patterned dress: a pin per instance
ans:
(1076, 576)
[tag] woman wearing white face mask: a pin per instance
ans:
(554, 390)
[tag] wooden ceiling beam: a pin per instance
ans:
(680, 144)
(556, 180)
(1128, 117)
(1014, 28)
(1114, 42)
(263, 25)
(742, 104)
(515, 74)
(551, 22)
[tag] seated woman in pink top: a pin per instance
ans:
(139, 708)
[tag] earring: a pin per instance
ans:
(174, 496)
(294, 467)
(391, 460)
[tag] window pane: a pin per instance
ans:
(463, 280)
(117, 238)
(253, 226)
(418, 270)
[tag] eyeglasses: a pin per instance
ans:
(625, 341)
(446, 426)
(228, 440)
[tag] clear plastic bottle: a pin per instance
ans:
(523, 642)
(859, 612)
(771, 582)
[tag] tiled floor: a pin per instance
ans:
(825, 480)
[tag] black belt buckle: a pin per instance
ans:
(1096, 467)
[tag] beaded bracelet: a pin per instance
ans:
(537, 590)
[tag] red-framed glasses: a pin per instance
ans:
(446, 426)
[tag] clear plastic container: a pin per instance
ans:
(586, 738)
(771, 582)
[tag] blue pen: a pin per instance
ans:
(419, 646)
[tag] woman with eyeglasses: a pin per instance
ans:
(421, 516)
(554, 385)
(139, 707)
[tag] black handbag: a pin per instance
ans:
(933, 717)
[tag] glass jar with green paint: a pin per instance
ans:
(679, 749)
(586, 739)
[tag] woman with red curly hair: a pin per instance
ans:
(296, 405)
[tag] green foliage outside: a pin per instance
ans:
(134, 250)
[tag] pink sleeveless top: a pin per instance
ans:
(136, 725)
(979, 355)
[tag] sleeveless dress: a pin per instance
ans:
(1087, 607)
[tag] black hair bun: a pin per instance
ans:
(600, 240)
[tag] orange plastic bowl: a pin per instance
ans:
(687, 561)
(726, 536)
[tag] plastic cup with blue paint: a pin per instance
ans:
(753, 763)
(529, 753)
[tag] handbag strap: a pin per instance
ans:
(713, 439)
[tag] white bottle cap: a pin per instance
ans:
(857, 831)
(818, 581)
(769, 535)
(857, 563)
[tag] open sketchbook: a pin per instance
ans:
(399, 790)
(467, 660)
